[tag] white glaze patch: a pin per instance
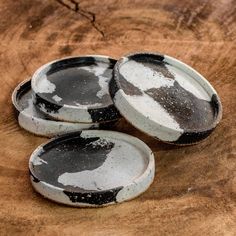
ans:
(103, 83)
(82, 106)
(97, 69)
(37, 160)
(136, 188)
(144, 77)
(99, 142)
(123, 165)
(68, 114)
(140, 120)
(45, 86)
(153, 110)
(56, 98)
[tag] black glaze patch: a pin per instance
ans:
(70, 153)
(192, 137)
(24, 88)
(190, 112)
(146, 57)
(70, 63)
(129, 88)
(216, 104)
(36, 180)
(113, 88)
(94, 198)
(104, 114)
(49, 107)
(107, 125)
(112, 63)
(24, 91)
(159, 66)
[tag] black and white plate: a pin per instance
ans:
(32, 120)
(165, 98)
(92, 168)
(75, 89)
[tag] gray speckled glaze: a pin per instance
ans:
(76, 89)
(34, 121)
(165, 98)
(92, 168)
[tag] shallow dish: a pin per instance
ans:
(92, 168)
(32, 120)
(75, 89)
(165, 98)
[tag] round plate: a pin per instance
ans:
(165, 98)
(76, 89)
(92, 168)
(36, 122)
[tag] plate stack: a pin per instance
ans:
(159, 95)
(67, 95)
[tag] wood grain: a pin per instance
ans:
(194, 192)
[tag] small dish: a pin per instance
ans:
(32, 120)
(75, 89)
(92, 168)
(165, 98)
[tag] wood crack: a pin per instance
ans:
(91, 16)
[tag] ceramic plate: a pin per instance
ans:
(165, 98)
(76, 89)
(32, 120)
(92, 168)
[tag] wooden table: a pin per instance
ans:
(194, 191)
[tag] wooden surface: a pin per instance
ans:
(194, 191)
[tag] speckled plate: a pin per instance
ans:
(75, 89)
(165, 98)
(92, 168)
(32, 120)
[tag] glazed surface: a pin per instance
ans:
(166, 94)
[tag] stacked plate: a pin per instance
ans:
(159, 95)
(67, 95)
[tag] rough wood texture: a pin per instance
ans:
(194, 192)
